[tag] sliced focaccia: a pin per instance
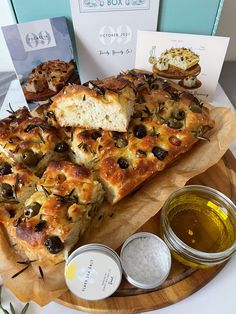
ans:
(177, 63)
(95, 105)
(58, 213)
(49, 76)
(17, 184)
(160, 130)
(29, 140)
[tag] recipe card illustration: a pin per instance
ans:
(42, 55)
(106, 33)
(192, 61)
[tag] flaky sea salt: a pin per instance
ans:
(146, 260)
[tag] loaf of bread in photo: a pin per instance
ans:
(95, 106)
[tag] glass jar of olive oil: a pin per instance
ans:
(198, 224)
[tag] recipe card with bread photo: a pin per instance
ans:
(106, 33)
(193, 61)
(42, 54)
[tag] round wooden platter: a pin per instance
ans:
(183, 280)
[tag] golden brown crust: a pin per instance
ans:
(68, 196)
(22, 135)
(166, 122)
(47, 79)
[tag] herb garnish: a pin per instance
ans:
(41, 272)
(21, 271)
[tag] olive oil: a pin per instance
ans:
(201, 224)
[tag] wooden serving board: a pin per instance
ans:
(182, 280)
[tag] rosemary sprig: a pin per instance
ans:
(45, 191)
(41, 137)
(25, 308)
(67, 198)
(147, 111)
(100, 90)
(23, 311)
(27, 262)
(21, 271)
(86, 148)
(12, 309)
(41, 272)
(11, 111)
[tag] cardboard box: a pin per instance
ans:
(181, 16)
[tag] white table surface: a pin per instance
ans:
(217, 297)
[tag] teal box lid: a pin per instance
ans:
(190, 16)
(179, 16)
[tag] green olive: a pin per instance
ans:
(32, 210)
(29, 158)
(194, 107)
(6, 190)
(174, 124)
(5, 168)
(178, 114)
(121, 142)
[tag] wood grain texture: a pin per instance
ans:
(182, 280)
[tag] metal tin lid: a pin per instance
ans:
(146, 260)
(93, 272)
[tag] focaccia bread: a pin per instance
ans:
(58, 213)
(50, 75)
(29, 140)
(17, 184)
(95, 105)
(166, 123)
(177, 63)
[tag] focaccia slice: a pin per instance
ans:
(160, 130)
(17, 184)
(95, 106)
(29, 140)
(59, 212)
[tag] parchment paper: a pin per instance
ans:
(123, 219)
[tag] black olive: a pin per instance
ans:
(140, 131)
(195, 107)
(165, 85)
(61, 147)
(95, 135)
(39, 227)
(121, 142)
(123, 163)
(159, 153)
(54, 244)
(178, 114)
(175, 96)
(5, 168)
(32, 210)
(29, 158)
(6, 190)
(174, 124)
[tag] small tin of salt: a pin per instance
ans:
(146, 260)
(93, 272)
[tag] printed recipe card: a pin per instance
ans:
(192, 61)
(106, 33)
(42, 54)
